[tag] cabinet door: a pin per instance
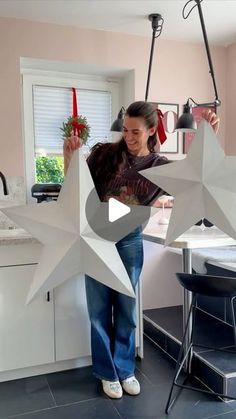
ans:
(72, 327)
(26, 331)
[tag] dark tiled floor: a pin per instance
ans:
(76, 394)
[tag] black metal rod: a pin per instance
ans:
(150, 63)
(157, 22)
(207, 46)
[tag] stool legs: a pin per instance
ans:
(187, 355)
(233, 319)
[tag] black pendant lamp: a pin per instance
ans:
(157, 23)
(186, 122)
(118, 123)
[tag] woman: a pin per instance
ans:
(114, 168)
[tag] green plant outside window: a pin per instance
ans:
(49, 169)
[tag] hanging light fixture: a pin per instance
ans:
(186, 122)
(118, 123)
(157, 23)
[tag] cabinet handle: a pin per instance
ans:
(48, 296)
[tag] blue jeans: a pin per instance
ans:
(113, 316)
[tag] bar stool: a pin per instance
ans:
(211, 286)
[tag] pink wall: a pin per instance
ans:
(179, 70)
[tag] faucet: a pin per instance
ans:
(5, 189)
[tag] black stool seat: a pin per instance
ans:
(211, 286)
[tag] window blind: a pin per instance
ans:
(53, 105)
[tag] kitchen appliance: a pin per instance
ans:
(45, 191)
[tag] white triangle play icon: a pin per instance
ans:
(116, 210)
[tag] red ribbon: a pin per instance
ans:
(77, 127)
(74, 108)
(160, 128)
(74, 103)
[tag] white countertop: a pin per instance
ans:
(9, 232)
(15, 236)
(194, 238)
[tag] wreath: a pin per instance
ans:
(76, 125)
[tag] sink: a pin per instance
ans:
(5, 222)
(6, 232)
(7, 227)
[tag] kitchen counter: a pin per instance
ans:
(15, 236)
(11, 233)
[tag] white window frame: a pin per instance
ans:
(29, 79)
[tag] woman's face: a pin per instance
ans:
(136, 134)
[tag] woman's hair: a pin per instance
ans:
(109, 158)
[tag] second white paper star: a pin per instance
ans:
(203, 185)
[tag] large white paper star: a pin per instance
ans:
(203, 185)
(70, 245)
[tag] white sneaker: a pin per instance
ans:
(131, 386)
(112, 389)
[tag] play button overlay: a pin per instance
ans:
(116, 210)
(114, 220)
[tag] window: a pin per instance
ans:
(52, 106)
(47, 103)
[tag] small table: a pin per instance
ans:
(194, 238)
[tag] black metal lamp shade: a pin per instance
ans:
(186, 123)
(117, 125)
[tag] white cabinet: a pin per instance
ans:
(26, 332)
(72, 328)
(42, 332)
(43, 336)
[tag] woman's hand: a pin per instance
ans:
(158, 203)
(71, 144)
(212, 118)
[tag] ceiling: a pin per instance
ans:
(131, 16)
